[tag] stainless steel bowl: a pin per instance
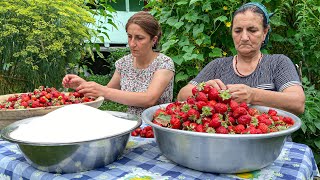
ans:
(76, 156)
(220, 153)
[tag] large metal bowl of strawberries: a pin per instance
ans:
(218, 135)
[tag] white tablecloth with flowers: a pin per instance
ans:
(142, 159)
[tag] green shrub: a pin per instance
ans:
(309, 133)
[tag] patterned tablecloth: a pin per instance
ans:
(143, 160)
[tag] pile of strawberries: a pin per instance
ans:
(212, 111)
(43, 97)
(145, 132)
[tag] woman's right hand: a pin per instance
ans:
(72, 81)
(217, 83)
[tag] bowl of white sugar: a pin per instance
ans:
(73, 138)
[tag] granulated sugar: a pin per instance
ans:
(72, 123)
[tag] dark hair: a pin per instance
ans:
(253, 9)
(148, 23)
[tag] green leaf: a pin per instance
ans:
(200, 57)
(178, 25)
(220, 18)
(188, 49)
(181, 77)
(317, 143)
(189, 56)
(317, 124)
(178, 59)
(182, 2)
(168, 44)
(277, 38)
(172, 21)
(216, 52)
(193, 1)
(197, 29)
(207, 6)
(199, 41)
(184, 41)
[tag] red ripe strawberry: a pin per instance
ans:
(195, 90)
(193, 126)
(149, 134)
(272, 112)
(263, 127)
(201, 97)
(200, 104)
(222, 130)
(244, 105)
(200, 128)
(43, 99)
(182, 115)
(138, 130)
(239, 112)
(213, 94)
(233, 105)
(24, 104)
(191, 100)
(220, 108)
(239, 128)
(275, 118)
(158, 112)
(253, 111)
(205, 120)
(186, 125)
(143, 132)
(134, 133)
(175, 122)
(170, 109)
(288, 120)
(244, 120)
(231, 120)
(231, 129)
(215, 122)
(193, 114)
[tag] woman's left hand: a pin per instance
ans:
(240, 92)
(91, 89)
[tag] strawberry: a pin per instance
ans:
(288, 120)
(195, 90)
(222, 130)
(186, 125)
(149, 134)
(193, 114)
(263, 127)
(233, 105)
(224, 96)
(213, 94)
(199, 128)
(239, 112)
(215, 122)
(244, 105)
(253, 111)
(220, 108)
(244, 120)
(201, 97)
(272, 112)
(134, 133)
(239, 128)
(175, 122)
(170, 109)
(191, 100)
(200, 104)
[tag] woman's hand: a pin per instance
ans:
(241, 92)
(91, 89)
(72, 81)
(217, 83)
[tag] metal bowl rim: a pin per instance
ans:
(8, 129)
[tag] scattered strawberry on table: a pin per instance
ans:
(211, 111)
(43, 97)
(145, 132)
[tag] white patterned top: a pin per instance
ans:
(138, 80)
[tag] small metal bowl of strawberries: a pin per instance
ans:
(39, 102)
(210, 132)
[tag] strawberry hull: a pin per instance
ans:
(220, 153)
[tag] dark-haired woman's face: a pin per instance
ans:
(247, 32)
(139, 41)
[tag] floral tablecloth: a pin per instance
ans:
(143, 160)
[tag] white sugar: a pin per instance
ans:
(72, 123)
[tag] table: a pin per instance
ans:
(142, 159)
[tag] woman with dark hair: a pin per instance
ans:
(250, 76)
(143, 78)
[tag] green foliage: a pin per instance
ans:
(40, 39)
(296, 33)
(309, 133)
(194, 33)
(115, 54)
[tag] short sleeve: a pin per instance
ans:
(285, 74)
(166, 63)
